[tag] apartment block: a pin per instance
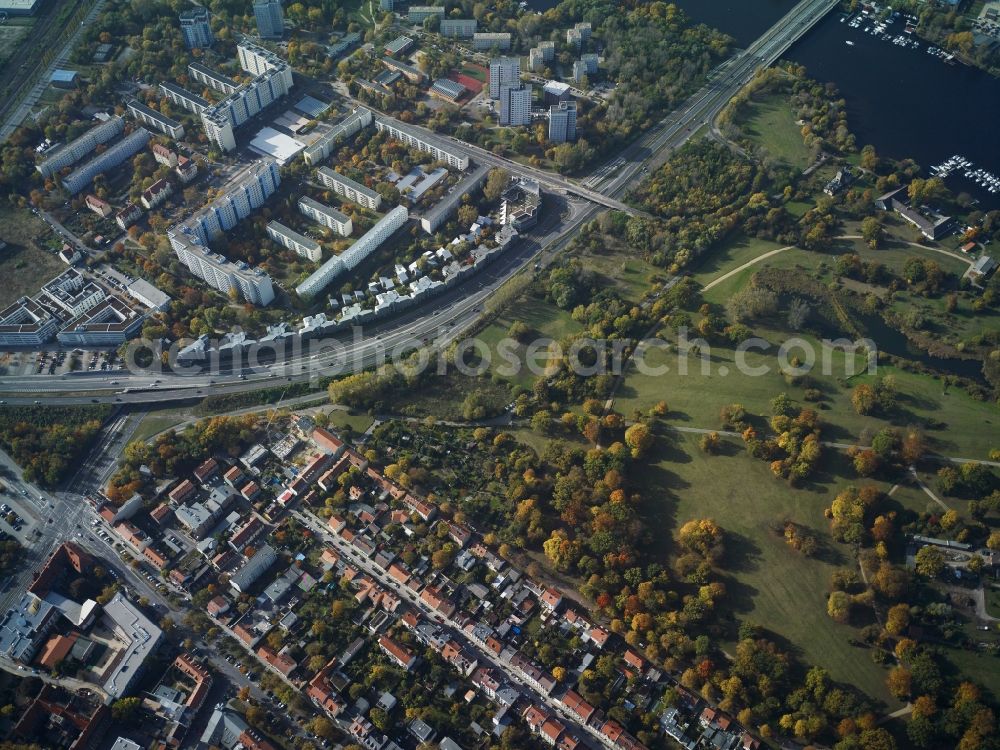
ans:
(270, 18)
(345, 186)
(322, 148)
(420, 13)
(350, 258)
(504, 71)
(252, 284)
(246, 193)
(289, 238)
(562, 122)
(154, 119)
(515, 104)
(459, 27)
(487, 40)
(212, 78)
(156, 193)
(73, 293)
(183, 98)
(111, 322)
(80, 147)
(27, 323)
(436, 147)
(327, 216)
(195, 28)
(126, 148)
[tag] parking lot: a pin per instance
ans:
(60, 362)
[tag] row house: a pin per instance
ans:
(280, 662)
(433, 598)
(246, 533)
(454, 654)
(577, 706)
(614, 735)
(234, 476)
(425, 510)
(532, 673)
(322, 693)
(207, 470)
(397, 652)
(182, 491)
(251, 491)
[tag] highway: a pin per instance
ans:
(442, 319)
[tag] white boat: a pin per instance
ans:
(849, 43)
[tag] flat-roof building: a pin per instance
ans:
(26, 322)
(322, 148)
(487, 40)
(289, 238)
(562, 122)
(420, 13)
(458, 27)
(78, 148)
(183, 98)
(412, 73)
(195, 28)
(398, 46)
(327, 216)
(357, 252)
(436, 147)
(253, 569)
(25, 626)
(212, 78)
(504, 71)
(154, 119)
(72, 292)
(140, 637)
(350, 189)
(450, 203)
(126, 148)
(19, 7)
(112, 322)
(270, 18)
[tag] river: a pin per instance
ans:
(903, 101)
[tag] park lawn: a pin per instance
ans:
(631, 276)
(733, 253)
(442, 396)
(978, 667)
(545, 321)
(154, 423)
(769, 583)
(25, 264)
(342, 418)
(770, 122)
(954, 420)
(912, 498)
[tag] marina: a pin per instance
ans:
(960, 165)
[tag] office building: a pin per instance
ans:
(183, 98)
(154, 119)
(521, 204)
(562, 122)
(27, 323)
(139, 637)
(80, 147)
(73, 293)
(322, 148)
(420, 13)
(301, 245)
(450, 154)
(111, 323)
(345, 186)
(126, 148)
(327, 216)
(459, 27)
(270, 18)
(212, 78)
(195, 28)
(487, 40)
(515, 105)
(504, 71)
(350, 258)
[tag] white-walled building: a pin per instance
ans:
(441, 150)
(327, 216)
(302, 245)
(350, 189)
(356, 253)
